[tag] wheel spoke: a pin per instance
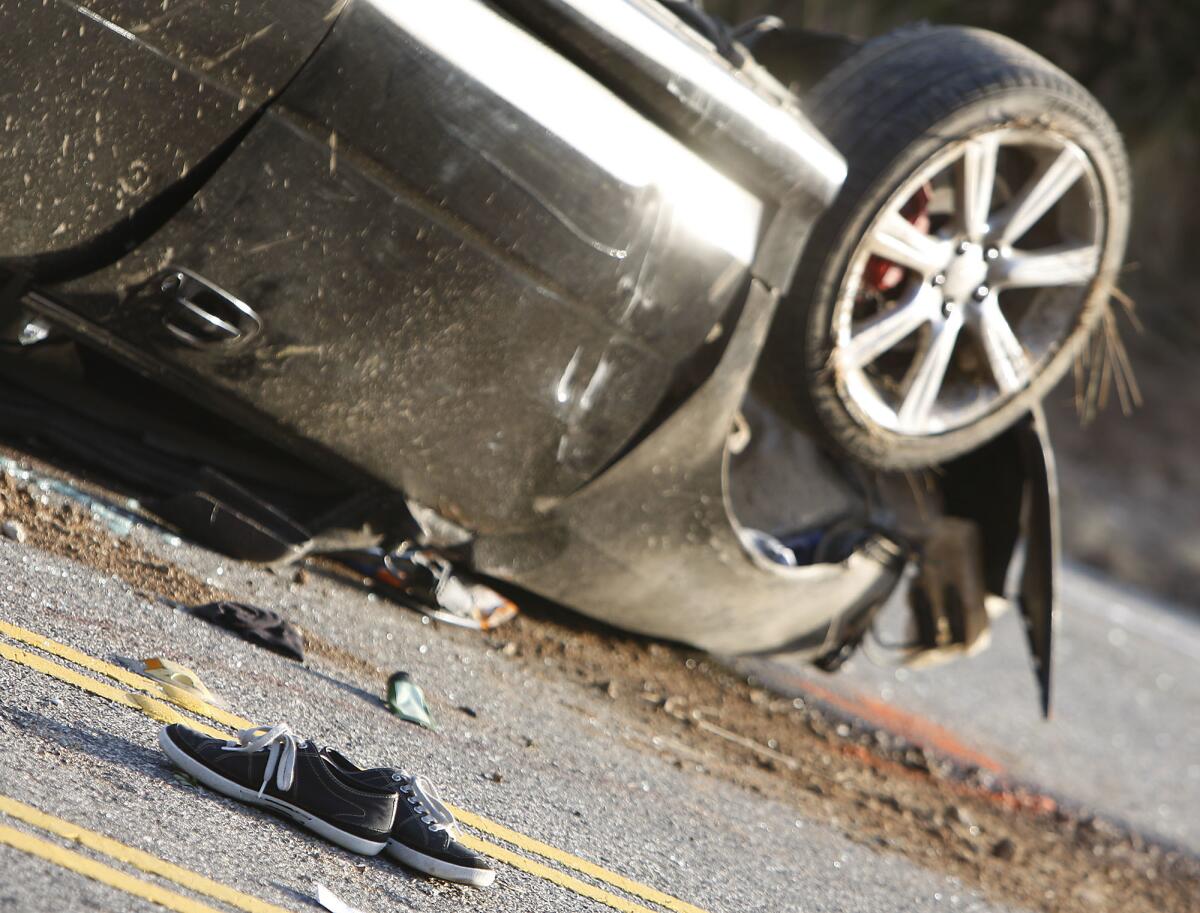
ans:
(1042, 191)
(1064, 264)
(882, 333)
(898, 240)
(1005, 354)
(975, 178)
(929, 376)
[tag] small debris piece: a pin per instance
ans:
(431, 583)
(259, 626)
(13, 530)
(172, 675)
(300, 577)
(407, 700)
(332, 902)
(128, 662)
(1004, 849)
(958, 815)
(494, 777)
(469, 711)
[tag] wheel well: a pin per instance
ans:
(799, 58)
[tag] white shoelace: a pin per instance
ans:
(423, 796)
(280, 742)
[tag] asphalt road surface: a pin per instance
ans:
(587, 804)
(1124, 738)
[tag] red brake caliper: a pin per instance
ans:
(883, 275)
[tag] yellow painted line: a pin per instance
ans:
(98, 871)
(142, 702)
(156, 710)
(553, 875)
(176, 696)
(148, 863)
(564, 858)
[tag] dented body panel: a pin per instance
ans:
(471, 289)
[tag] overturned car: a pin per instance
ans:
(706, 332)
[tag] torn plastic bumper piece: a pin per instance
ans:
(1007, 492)
(1038, 594)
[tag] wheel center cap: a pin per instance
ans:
(966, 272)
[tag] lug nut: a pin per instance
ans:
(948, 307)
(982, 292)
(964, 246)
(939, 279)
(992, 253)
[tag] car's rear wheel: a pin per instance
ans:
(971, 251)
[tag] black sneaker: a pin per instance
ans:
(268, 767)
(423, 837)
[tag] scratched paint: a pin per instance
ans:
(113, 103)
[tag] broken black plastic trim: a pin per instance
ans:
(1009, 488)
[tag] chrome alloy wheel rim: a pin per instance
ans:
(969, 279)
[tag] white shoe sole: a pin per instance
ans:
(439, 868)
(214, 780)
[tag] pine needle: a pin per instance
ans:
(1103, 365)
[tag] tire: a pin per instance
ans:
(892, 109)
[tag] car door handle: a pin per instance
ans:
(202, 315)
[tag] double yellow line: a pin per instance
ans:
(159, 702)
(115, 878)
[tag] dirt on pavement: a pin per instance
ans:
(70, 531)
(881, 789)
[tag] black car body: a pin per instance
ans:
(519, 261)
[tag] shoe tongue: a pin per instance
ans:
(379, 778)
(340, 759)
(383, 778)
